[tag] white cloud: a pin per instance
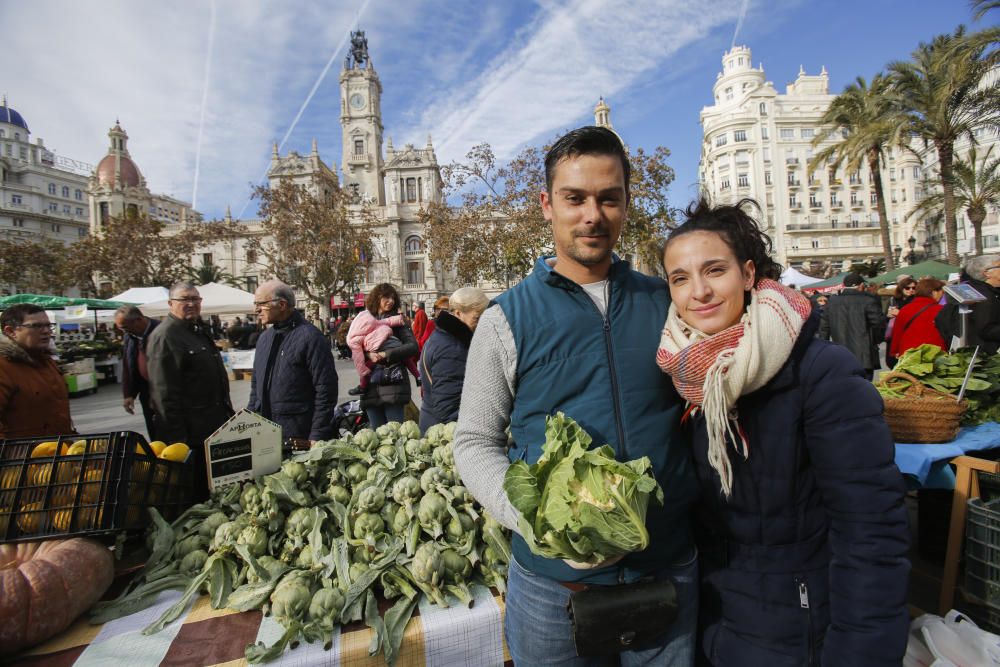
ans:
(567, 56)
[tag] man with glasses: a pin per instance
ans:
(294, 378)
(135, 363)
(34, 401)
(189, 388)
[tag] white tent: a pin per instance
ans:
(217, 299)
(141, 295)
(791, 276)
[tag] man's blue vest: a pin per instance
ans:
(602, 372)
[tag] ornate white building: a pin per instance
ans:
(757, 143)
(42, 195)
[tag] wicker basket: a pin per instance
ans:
(924, 415)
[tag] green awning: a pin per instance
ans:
(58, 302)
(832, 281)
(931, 268)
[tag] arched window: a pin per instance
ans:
(763, 108)
(65, 191)
(414, 245)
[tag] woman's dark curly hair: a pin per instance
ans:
(737, 228)
(375, 297)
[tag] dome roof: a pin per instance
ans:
(129, 172)
(8, 115)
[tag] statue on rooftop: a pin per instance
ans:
(359, 50)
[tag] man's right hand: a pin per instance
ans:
(129, 405)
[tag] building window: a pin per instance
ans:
(411, 189)
(10, 151)
(18, 222)
(729, 93)
(725, 183)
(2, 134)
(65, 191)
(15, 199)
(874, 199)
(79, 211)
(892, 174)
(743, 180)
(53, 207)
(740, 135)
(767, 178)
(763, 108)
(916, 173)
(991, 241)
(414, 273)
(252, 258)
(787, 133)
(66, 209)
(763, 133)
(56, 227)
(24, 153)
(806, 133)
(792, 201)
(721, 140)
(206, 258)
(81, 232)
(79, 195)
(359, 147)
(52, 188)
(414, 245)
(251, 284)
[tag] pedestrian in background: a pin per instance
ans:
(419, 321)
(384, 402)
(442, 361)
(440, 306)
(136, 328)
(34, 401)
(189, 387)
(851, 319)
(914, 324)
(906, 288)
(294, 379)
(982, 273)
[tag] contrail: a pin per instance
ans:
(204, 101)
(739, 21)
(319, 81)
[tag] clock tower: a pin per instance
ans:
(361, 124)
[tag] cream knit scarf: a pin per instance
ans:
(712, 372)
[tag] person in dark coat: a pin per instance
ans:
(135, 364)
(802, 534)
(442, 361)
(294, 378)
(855, 320)
(189, 388)
(385, 402)
(983, 274)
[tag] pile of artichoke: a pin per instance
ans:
(378, 514)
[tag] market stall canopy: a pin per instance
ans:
(930, 268)
(60, 302)
(141, 295)
(792, 276)
(831, 284)
(216, 299)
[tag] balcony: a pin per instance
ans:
(851, 226)
(794, 182)
(856, 182)
(795, 205)
(815, 205)
(359, 159)
(857, 203)
(836, 204)
(814, 183)
(791, 160)
(414, 286)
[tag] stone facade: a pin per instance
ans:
(757, 144)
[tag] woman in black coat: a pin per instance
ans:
(385, 402)
(442, 362)
(803, 534)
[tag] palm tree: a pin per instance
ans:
(867, 120)
(941, 94)
(980, 7)
(976, 187)
(211, 273)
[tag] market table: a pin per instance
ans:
(456, 636)
(920, 462)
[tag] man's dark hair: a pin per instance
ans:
(737, 228)
(587, 140)
(129, 313)
(375, 296)
(14, 315)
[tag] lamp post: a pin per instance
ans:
(896, 252)
(911, 256)
(927, 249)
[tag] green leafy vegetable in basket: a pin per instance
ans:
(581, 504)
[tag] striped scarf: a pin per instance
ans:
(712, 372)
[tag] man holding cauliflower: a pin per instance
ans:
(578, 337)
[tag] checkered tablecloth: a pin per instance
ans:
(457, 636)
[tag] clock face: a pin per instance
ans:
(357, 100)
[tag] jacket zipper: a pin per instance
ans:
(621, 450)
(804, 604)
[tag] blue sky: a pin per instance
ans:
(509, 73)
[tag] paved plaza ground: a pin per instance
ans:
(103, 411)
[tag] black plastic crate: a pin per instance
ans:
(982, 552)
(106, 488)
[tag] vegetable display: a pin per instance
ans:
(581, 504)
(379, 513)
(945, 372)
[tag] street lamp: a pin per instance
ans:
(927, 249)
(912, 255)
(896, 252)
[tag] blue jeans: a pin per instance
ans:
(538, 631)
(383, 414)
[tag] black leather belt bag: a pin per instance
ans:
(612, 619)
